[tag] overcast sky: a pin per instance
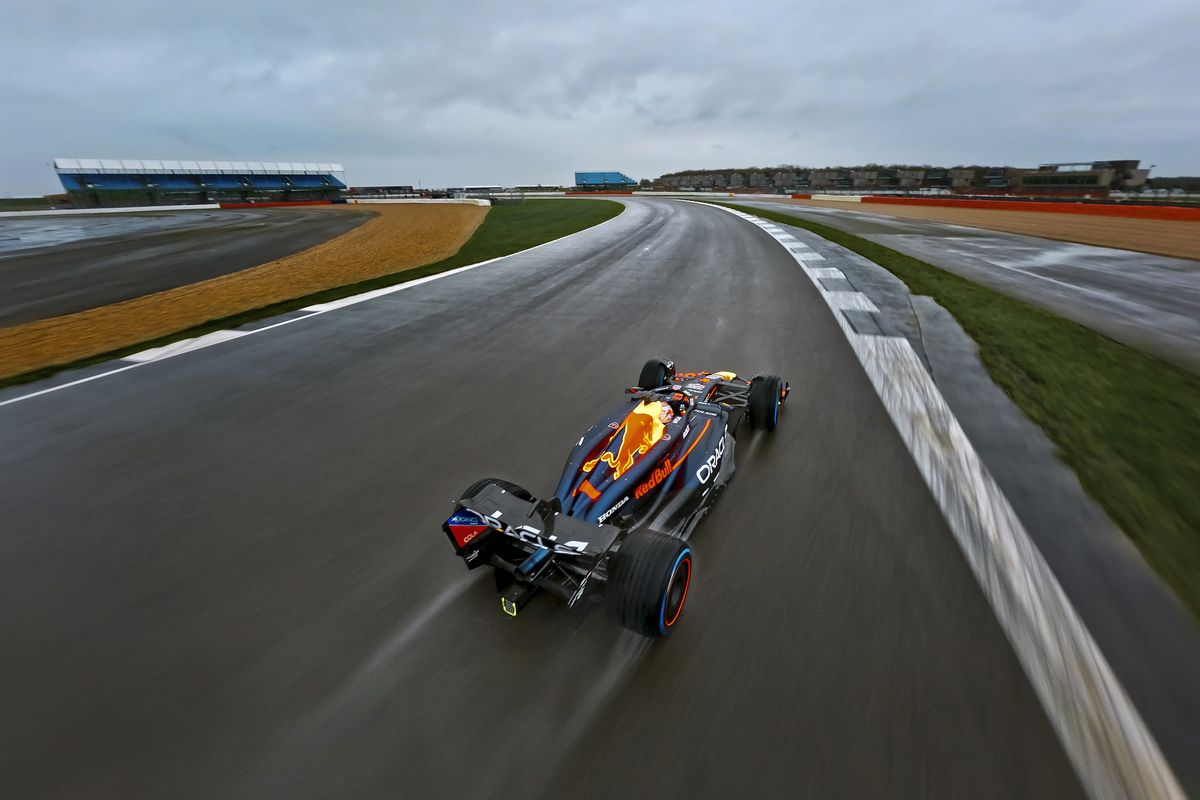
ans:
(482, 91)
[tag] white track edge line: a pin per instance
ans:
(1113, 752)
(316, 310)
(184, 345)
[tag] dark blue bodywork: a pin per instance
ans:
(666, 483)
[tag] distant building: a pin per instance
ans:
(911, 178)
(107, 182)
(1083, 177)
(823, 179)
(935, 178)
(1090, 177)
(864, 178)
(381, 192)
(603, 181)
(474, 190)
(964, 177)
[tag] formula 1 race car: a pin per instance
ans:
(633, 489)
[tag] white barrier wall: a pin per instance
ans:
(841, 198)
(743, 195)
(461, 200)
(131, 210)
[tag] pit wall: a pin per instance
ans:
(71, 212)
(710, 195)
(1130, 212)
(278, 204)
(470, 201)
(839, 198)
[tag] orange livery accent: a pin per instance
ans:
(695, 441)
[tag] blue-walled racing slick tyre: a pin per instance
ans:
(767, 393)
(511, 488)
(648, 582)
(655, 373)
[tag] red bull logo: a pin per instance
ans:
(658, 476)
(642, 428)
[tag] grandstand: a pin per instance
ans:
(105, 182)
(603, 181)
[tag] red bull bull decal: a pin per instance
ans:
(640, 431)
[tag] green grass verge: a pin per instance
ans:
(1127, 423)
(507, 228)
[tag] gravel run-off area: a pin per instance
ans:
(1175, 238)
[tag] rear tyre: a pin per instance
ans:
(648, 582)
(511, 488)
(767, 393)
(655, 373)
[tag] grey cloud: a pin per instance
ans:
(481, 91)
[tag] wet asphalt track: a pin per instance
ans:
(51, 266)
(222, 574)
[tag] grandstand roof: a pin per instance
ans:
(603, 179)
(125, 166)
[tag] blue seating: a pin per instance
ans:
(105, 181)
(223, 182)
(603, 179)
(195, 182)
(175, 182)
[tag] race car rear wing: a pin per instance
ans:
(539, 523)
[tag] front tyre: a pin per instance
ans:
(648, 582)
(656, 373)
(767, 393)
